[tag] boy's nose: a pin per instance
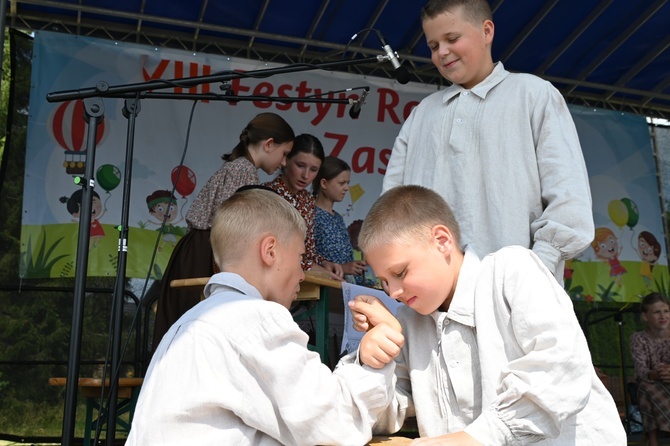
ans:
(395, 291)
(444, 50)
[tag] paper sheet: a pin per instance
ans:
(351, 338)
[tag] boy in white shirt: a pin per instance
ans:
(235, 369)
(493, 353)
(501, 148)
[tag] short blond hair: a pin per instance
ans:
(406, 214)
(248, 215)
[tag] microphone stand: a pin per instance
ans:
(102, 89)
(94, 112)
(131, 109)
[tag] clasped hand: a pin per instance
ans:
(356, 267)
(383, 340)
(663, 371)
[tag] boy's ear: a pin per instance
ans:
(443, 238)
(268, 247)
(489, 31)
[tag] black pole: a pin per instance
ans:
(94, 112)
(130, 110)
(3, 8)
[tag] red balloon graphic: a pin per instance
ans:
(186, 183)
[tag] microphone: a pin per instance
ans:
(401, 74)
(356, 106)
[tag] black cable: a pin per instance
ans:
(355, 36)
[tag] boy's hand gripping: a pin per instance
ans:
(368, 312)
(383, 339)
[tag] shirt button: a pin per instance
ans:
(465, 93)
(459, 120)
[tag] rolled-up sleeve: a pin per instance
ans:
(565, 227)
(547, 376)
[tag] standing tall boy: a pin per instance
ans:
(501, 148)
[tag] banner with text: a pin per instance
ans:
(56, 153)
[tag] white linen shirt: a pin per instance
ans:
(508, 362)
(506, 157)
(235, 370)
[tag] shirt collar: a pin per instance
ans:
(462, 307)
(498, 74)
(221, 282)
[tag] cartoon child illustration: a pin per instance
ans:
(163, 206)
(606, 247)
(649, 251)
(97, 211)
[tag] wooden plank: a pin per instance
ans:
(390, 441)
(196, 281)
(309, 291)
(90, 387)
(309, 288)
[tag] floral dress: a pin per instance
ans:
(653, 396)
(305, 203)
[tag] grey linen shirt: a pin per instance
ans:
(506, 157)
(508, 362)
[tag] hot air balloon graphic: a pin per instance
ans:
(69, 129)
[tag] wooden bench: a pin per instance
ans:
(91, 389)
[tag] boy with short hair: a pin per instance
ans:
(493, 352)
(235, 369)
(501, 148)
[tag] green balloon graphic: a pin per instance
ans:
(633, 214)
(108, 177)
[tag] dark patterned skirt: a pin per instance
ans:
(654, 404)
(192, 257)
